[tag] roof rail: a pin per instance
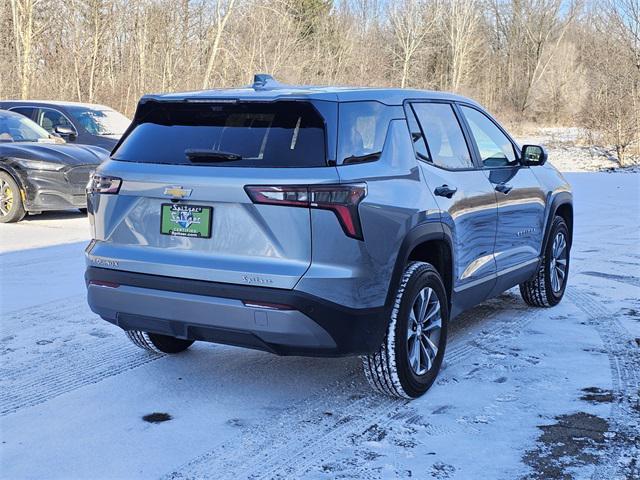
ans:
(262, 81)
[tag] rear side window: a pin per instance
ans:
(445, 140)
(363, 129)
(495, 148)
(26, 111)
(276, 134)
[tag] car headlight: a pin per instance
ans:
(39, 165)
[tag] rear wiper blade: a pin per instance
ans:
(369, 157)
(197, 155)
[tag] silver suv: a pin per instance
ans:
(321, 221)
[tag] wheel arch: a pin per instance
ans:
(561, 205)
(428, 242)
(4, 168)
(565, 210)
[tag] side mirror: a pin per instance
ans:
(67, 133)
(533, 155)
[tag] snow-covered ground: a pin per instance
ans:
(50, 228)
(525, 393)
(572, 150)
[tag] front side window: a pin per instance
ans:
(495, 148)
(50, 119)
(444, 137)
(270, 134)
(363, 130)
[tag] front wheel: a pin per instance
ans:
(546, 288)
(408, 361)
(158, 343)
(11, 207)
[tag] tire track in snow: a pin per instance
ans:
(324, 422)
(624, 361)
(34, 371)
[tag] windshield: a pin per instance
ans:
(16, 128)
(103, 121)
(275, 134)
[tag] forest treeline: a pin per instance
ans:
(552, 62)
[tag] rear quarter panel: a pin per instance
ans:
(358, 273)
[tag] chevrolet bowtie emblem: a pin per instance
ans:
(177, 192)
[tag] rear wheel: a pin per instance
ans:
(546, 288)
(408, 361)
(158, 343)
(11, 207)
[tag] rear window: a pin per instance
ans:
(277, 134)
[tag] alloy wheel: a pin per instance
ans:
(6, 198)
(423, 331)
(558, 267)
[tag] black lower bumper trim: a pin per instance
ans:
(354, 331)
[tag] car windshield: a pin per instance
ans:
(16, 128)
(100, 121)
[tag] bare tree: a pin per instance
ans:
(26, 31)
(461, 24)
(612, 109)
(409, 28)
(223, 10)
(528, 33)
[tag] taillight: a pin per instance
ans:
(291, 196)
(103, 184)
(343, 200)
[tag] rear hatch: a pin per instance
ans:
(176, 197)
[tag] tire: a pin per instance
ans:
(390, 370)
(155, 342)
(543, 290)
(11, 206)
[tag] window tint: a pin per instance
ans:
(495, 148)
(444, 137)
(363, 129)
(26, 111)
(280, 134)
(49, 119)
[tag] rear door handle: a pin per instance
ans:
(503, 188)
(445, 191)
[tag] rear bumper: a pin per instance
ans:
(216, 312)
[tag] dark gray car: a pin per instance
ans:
(79, 123)
(321, 221)
(40, 172)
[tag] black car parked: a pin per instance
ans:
(39, 171)
(81, 123)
